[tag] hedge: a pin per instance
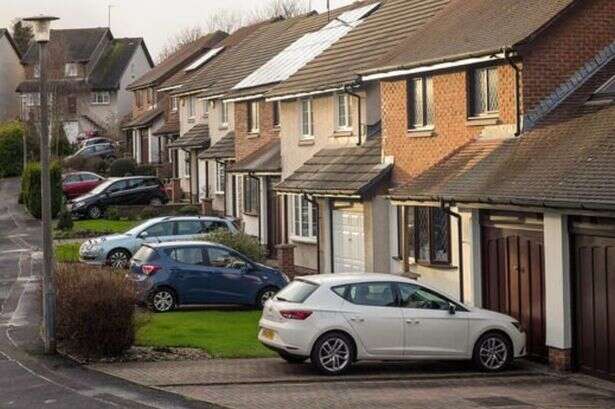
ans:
(11, 149)
(31, 188)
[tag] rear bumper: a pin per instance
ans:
(288, 337)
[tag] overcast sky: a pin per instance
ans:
(154, 20)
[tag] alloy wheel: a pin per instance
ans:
(334, 354)
(94, 212)
(266, 295)
(118, 259)
(155, 202)
(493, 353)
(163, 301)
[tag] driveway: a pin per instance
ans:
(271, 383)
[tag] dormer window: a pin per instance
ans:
(71, 70)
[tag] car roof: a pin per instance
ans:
(350, 278)
(188, 218)
(187, 243)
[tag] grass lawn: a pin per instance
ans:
(88, 228)
(67, 253)
(223, 334)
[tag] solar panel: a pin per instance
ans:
(305, 49)
(204, 58)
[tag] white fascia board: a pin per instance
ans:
(169, 88)
(186, 94)
(211, 97)
(246, 98)
(305, 94)
(434, 67)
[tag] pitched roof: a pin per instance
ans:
(177, 60)
(170, 127)
(112, 64)
(79, 44)
(470, 28)
(197, 137)
(144, 119)
(223, 149)
(567, 161)
(267, 159)
(384, 29)
(5, 32)
(348, 171)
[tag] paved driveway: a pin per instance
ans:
(271, 383)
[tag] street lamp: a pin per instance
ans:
(42, 28)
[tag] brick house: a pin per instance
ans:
(499, 238)
(89, 72)
(152, 108)
(12, 73)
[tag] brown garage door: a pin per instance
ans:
(513, 280)
(594, 260)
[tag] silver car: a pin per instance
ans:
(116, 250)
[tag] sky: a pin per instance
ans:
(154, 20)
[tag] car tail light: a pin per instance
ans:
(149, 269)
(296, 315)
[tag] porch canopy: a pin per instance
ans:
(223, 149)
(348, 172)
(568, 162)
(144, 120)
(265, 161)
(197, 137)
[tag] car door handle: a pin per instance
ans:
(357, 319)
(413, 322)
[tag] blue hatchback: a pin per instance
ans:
(166, 275)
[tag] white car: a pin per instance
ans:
(337, 319)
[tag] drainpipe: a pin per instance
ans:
(348, 91)
(517, 69)
(447, 209)
(260, 233)
(317, 207)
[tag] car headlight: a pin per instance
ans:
(518, 325)
(286, 278)
(78, 205)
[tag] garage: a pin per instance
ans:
(514, 274)
(348, 238)
(594, 274)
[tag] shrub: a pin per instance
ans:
(31, 188)
(95, 311)
(241, 242)
(189, 211)
(145, 170)
(59, 144)
(112, 214)
(149, 213)
(65, 220)
(96, 165)
(122, 167)
(11, 149)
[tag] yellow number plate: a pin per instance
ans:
(267, 333)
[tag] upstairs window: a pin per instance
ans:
(205, 108)
(71, 70)
(253, 117)
(276, 114)
(307, 119)
(37, 71)
(484, 91)
(224, 114)
(191, 107)
(420, 103)
(343, 114)
(101, 98)
(250, 195)
(174, 104)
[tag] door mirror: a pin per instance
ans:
(144, 235)
(452, 309)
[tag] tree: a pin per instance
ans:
(178, 40)
(280, 8)
(22, 35)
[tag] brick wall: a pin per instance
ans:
(245, 142)
(564, 47)
(452, 130)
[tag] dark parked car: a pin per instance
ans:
(103, 150)
(137, 190)
(95, 141)
(79, 183)
(170, 274)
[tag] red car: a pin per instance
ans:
(79, 183)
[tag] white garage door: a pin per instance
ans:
(348, 242)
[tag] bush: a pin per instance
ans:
(145, 170)
(59, 144)
(65, 220)
(149, 213)
(95, 311)
(189, 211)
(122, 167)
(112, 214)
(11, 149)
(96, 165)
(241, 242)
(31, 188)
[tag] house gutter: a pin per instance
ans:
(317, 206)
(348, 90)
(446, 207)
(507, 51)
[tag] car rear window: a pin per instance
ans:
(145, 253)
(297, 292)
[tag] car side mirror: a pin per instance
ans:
(452, 309)
(144, 235)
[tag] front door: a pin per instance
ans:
(594, 265)
(514, 279)
(144, 145)
(348, 240)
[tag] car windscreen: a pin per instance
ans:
(296, 292)
(102, 187)
(145, 253)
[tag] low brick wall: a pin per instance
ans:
(138, 212)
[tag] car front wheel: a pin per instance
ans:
(162, 300)
(118, 258)
(94, 212)
(332, 354)
(156, 201)
(492, 352)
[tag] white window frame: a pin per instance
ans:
(187, 164)
(297, 201)
(491, 75)
(224, 114)
(100, 98)
(71, 70)
(37, 71)
(174, 104)
(343, 124)
(310, 113)
(205, 108)
(33, 99)
(220, 178)
(254, 116)
(425, 83)
(191, 107)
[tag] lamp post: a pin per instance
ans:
(42, 28)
